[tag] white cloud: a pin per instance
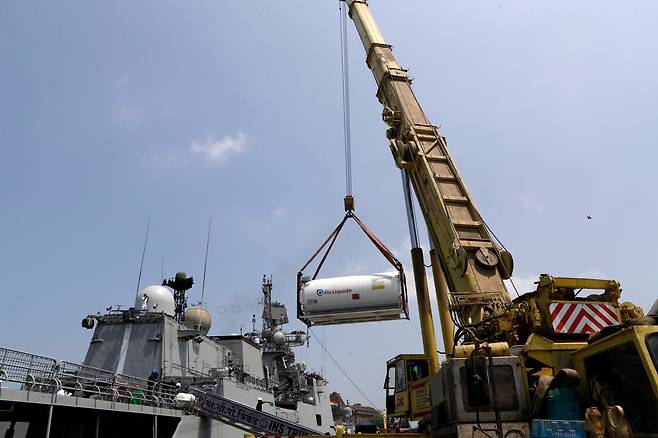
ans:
(121, 84)
(167, 159)
(124, 114)
(209, 150)
(523, 283)
(278, 211)
(354, 268)
(532, 203)
(220, 150)
(594, 273)
(124, 110)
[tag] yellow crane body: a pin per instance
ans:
(508, 361)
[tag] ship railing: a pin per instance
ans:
(85, 381)
(32, 372)
(145, 391)
(243, 378)
(189, 371)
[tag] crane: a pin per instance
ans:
(512, 354)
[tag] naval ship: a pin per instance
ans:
(153, 370)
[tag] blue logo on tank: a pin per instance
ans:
(319, 292)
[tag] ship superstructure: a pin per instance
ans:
(293, 385)
(144, 366)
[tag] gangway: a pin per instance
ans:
(244, 417)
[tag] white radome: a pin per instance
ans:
(279, 338)
(156, 298)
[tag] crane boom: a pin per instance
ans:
(474, 265)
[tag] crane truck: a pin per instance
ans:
(508, 361)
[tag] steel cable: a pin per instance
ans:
(347, 376)
(346, 97)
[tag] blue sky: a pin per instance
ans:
(112, 113)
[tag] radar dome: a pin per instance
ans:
(279, 338)
(155, 299)
(198, 318)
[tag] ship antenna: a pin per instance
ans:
(205, 262)
(141, 264)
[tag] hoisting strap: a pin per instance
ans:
(329, 243)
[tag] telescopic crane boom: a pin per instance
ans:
(474, 266)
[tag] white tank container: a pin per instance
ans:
(356, 298)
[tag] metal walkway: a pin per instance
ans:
(246, 418)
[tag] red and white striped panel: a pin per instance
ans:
(582, 317)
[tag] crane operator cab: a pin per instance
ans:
(407, 389)
(620, 367)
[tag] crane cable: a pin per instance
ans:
(342, 9)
